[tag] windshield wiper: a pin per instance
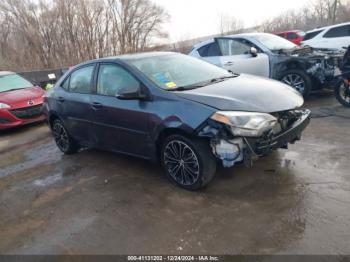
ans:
(205, 83)
(220, 79)
(188, 87)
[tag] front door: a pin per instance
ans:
(119, 125)
(237, 57)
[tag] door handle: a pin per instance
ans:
(229, 63)
(60, 99)
(96, 105)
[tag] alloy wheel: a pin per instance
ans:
(295, 81)
(61, 136)
(181, 163)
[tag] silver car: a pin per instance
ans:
(271, 56)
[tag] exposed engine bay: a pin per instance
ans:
(320, 64)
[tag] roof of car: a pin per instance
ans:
(126, 57)
(326, 27)
(246, 35)
(137, 55)
(4, 73)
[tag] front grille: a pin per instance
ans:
(27, 112)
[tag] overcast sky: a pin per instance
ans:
(194, 18)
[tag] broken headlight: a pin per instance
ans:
(246, 123)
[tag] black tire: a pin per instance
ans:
(342, 95)
(192, 172)
(288, 76)
(62, 138)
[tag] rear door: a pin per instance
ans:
(236, 56)
(336, 37)
(119, 125)
(73, 103)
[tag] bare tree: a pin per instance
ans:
(56, 33)
(316, 14)
(136, 22)
(229, 24)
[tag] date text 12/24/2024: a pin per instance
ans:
(173, 258)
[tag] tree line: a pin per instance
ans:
(37, 34)
(317, 13)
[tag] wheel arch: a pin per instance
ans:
(284, 65)
(166, 132)
(52, 117)
(292, 65)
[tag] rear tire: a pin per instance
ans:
(189, 163)
(298, 80)
(62, 138)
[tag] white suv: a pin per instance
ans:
(336, 36)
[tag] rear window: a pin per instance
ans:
(13, 82)
(80, 80)
(340, 31)
(311, 35)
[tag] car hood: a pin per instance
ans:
(309, 52)
(21, 97)
(246, 93)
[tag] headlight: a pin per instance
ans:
(246, 123)
(2, 106)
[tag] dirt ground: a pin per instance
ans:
(295, 201)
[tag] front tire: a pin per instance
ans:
(342, 94)
(62, 138)
(298, 80)
(189, 163)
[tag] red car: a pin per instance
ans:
(20, 101)
(295, 36)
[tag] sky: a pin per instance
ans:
(195, 18)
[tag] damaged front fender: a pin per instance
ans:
(321, 66)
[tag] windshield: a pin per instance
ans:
(13, 82)
(178, 71)
(274, 42)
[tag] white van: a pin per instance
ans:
(335, 36)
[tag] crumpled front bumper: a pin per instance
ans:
(247, 149)
(262, 146)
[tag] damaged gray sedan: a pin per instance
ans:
(185, 113)
(262, 54)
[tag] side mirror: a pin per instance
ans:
(253, 52)
(131, 94)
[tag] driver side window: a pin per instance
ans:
(231, 47)
(112, 78)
